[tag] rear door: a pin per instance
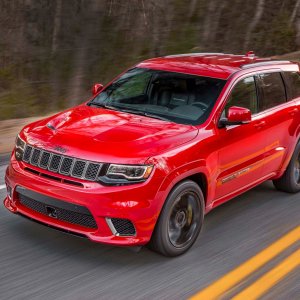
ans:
(279, 116)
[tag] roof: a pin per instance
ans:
(217, 65)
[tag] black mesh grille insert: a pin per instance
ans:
(92, 171)
(27, 153)
(35, 156)
(55, 161)
(62, 214)
(78, 168)
(32, 204)
(66, 165)
(123, 226)
(44, 160)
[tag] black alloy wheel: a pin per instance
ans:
(180, 220)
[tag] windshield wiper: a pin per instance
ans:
(156, 117)
(102, 105)
(131, 111)
(142, 113)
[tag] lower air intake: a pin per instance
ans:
(123, 227)
(66, 215)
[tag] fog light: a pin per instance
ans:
(9, 191)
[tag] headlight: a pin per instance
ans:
(20, 146)
(126, 174)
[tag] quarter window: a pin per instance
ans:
(272, 90)
(294, 84)
(243, 95)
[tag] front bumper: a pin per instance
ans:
(140, 203)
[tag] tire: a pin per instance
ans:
(180, 220)
(290, 180)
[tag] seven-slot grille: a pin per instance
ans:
(61, 164)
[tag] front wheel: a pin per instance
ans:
(180, 221)
(290, 180)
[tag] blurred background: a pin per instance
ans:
(52, 51)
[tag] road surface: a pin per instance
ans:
(37, 262)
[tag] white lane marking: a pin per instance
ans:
(2, 186)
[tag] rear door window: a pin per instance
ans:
(272, 90)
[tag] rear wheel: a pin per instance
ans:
(290, 180)
(180, 221)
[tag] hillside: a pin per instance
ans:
(51, 51)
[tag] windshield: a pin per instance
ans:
(175, 97)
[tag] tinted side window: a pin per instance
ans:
(272, 89)
(244, 95)
(293, 79)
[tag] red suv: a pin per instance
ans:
(156, 149)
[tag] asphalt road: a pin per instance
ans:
(37, 262)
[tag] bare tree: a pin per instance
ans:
(83, 45)
(294, 13)
(192, 8)
(56, 25)
(296, 16)
(257, 16)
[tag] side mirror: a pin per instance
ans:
(236, 116)
(97, 87)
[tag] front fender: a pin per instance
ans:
(172, 177)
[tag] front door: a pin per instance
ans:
(242, 147)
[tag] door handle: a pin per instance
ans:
(293, 111)
(260, 124)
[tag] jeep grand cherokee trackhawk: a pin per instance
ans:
(152, 152)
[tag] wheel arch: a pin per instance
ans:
(201, 180)
(288, 156)
(199, 176)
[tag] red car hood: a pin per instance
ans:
(107, 136)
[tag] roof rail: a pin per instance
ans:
(193, 54)
(265, 63)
